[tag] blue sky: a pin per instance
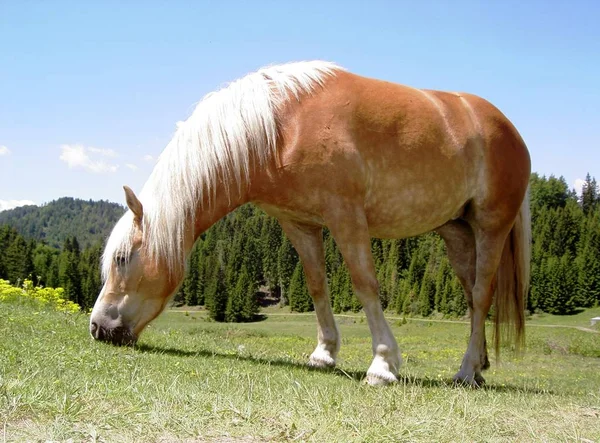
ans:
(90, 92)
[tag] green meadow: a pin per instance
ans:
(190, 379)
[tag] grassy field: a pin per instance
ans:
(190, 379)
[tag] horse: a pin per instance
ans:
(316, 146)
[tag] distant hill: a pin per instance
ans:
(90, 221)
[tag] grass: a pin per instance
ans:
(190, 379)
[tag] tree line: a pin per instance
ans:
(89, 221)
(245, 260)
(71, 268)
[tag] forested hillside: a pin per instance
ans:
(89, 221)
(245, 256)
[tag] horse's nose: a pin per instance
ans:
(97, 332)
(119, 335)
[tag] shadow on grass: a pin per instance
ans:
(359, 376)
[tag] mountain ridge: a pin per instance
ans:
(89, 220)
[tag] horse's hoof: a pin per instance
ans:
(321, 359)
(473, 381)
(380, 378)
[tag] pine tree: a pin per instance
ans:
(427, 293)
(384, 286)
(91, 281)
(16, 263)
(216, 295)
(252, 248)
(271, 238)
(377, 252)
(444, 272)
(457, 301)
(240, 306)
(190, 283)
(409, 305)
(234, 260)
(287, 259)
(341, 290)
(589, 195)
(567, 229)
(400, 293)
(71, 275)
(299, 296)
(588, 262)
(562, 285)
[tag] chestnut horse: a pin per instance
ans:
(314, 145)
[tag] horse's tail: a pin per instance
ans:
(513, 282)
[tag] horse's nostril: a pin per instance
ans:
(97, 332)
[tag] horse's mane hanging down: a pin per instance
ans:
(217, 138)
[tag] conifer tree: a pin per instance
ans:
(91, 282)
(240, 304)
(400, 293)
(589, 194)
(566, 231)
(427, 293)
(287, 259)
(16, 262)
(190, 283)
(71, 275)
(443, 273)
(299, 296)
(588, 262)
(271, 238)
(458, 304)
(341, 290)
(216, 295)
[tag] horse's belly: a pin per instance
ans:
(412, 210)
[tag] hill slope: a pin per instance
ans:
(90, 221)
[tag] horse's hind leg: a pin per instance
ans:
(460, 244)
(308, 242)
(349, 228)
(489, 246)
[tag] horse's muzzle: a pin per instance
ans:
(120, 336)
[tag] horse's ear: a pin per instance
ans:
(134, 204)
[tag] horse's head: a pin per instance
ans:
(136, 287)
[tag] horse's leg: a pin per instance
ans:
(489, 246)
(350, 231)
(460, 244)
(308, 242)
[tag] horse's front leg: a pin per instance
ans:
(349, 228)
(308, 241)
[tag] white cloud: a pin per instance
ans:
(103, 152)
(148, 158)
(78, 156)
(11, 204)
(131, 166)
(4, 151)
(578, 185)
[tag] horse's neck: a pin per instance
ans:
(217, 206)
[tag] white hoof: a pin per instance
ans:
(380, 378)
(320, 358)
(383, 373)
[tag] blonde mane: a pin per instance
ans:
(217, 139)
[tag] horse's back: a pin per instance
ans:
(414, 158)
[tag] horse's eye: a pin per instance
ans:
(120, 260)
